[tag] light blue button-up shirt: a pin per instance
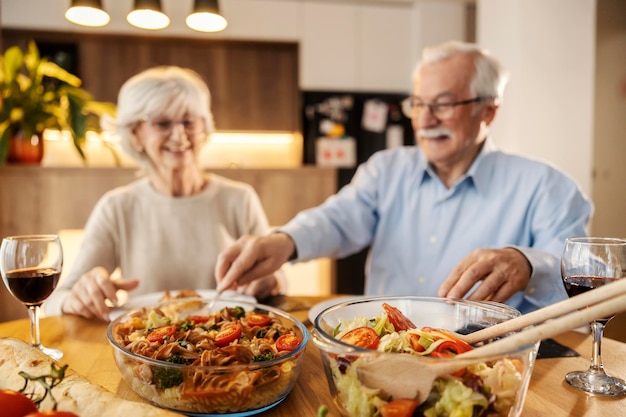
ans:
(419, 229)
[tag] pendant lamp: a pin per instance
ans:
(206, 17)
(147, 14)
(87, 13)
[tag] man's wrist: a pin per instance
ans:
(294, 254)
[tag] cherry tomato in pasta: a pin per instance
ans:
(15, 404)
(259, 319)
(52, 414)
(227, 335)
(364, 337)
(399, 320)
(159, 334)
(288, 342)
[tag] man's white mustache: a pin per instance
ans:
(434, 132)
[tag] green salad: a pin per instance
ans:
(479, 390)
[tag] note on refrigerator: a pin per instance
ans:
(374, 116)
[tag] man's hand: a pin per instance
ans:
(503, 272)
(88, 295)
(252, 257)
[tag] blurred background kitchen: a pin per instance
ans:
(303, 90)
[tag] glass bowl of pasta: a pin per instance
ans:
(379, 351)
(236, 359)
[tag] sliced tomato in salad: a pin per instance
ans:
(397, 319)
(228, 334)
(399, 408)
(288, 342)
(259, 319)
(451, 348)
(364, 337)
(159, 334)
(414, 341)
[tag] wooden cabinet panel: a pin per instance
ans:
(254, 85)
(45, 200)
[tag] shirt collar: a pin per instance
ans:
(478, 171)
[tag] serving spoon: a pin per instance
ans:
(405, 376)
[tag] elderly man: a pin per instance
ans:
(452, 217)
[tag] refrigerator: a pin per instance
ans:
(353, 125)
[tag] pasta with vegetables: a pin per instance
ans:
(218, 362)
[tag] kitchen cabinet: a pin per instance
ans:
(362, 45)
(357, 47)
(45, 200)
(254, 85)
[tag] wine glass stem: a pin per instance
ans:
(33, 313)
(597, 328)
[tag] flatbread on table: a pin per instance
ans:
(75, 393)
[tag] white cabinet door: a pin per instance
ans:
(355, 47)
(384, 61)
(328, 49)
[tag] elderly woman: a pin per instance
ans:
(165, 230)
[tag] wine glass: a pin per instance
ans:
(587, 263)
(31, 266)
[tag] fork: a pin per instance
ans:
(215, 299)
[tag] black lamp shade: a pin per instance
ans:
(148, 5)
(209, 6)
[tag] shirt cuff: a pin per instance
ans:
(545, 286)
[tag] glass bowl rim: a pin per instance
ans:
(345, 348)
(230, 368)
(597, 240)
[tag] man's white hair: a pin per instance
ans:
(490, 78)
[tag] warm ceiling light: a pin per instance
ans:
(87, 13)
(147, 14)
(206, 17)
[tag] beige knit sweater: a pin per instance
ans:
(167, 243)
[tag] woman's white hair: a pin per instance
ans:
(168, 91)
(490, 78)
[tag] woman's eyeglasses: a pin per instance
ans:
(164, 126)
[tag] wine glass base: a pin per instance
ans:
(55, 354)
(596, 383)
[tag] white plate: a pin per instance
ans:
(321, 306)
(154, 298)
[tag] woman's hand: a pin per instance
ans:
(87, 297)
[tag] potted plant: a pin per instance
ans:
(38, 94)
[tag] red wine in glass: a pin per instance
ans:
(578, 284)
(588, 263)
(33, 285)
(30, 266)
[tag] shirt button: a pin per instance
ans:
(531, 290)
(421, 280)
(433, 239)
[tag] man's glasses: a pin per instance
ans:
(164, 127)
(413, 107)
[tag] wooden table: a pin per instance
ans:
(87, 351)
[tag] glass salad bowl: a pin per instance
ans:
(237, 359)
(375, 349)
